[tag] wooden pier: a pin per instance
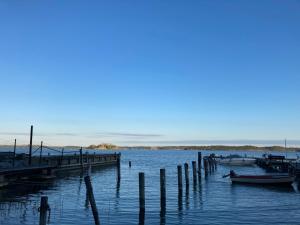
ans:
(47, 167)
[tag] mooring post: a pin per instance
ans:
(30, 146)
(62, 156)
(209, 164)
(129, 164)
(119, 167)
(89, 189)
(80, 157)
(162, 188)
(41, 150)
(215, 163)
(186, 173)
(14, 159)
(199, 163)
(179, 174)
(43, 210)
(142, 191)
(194, 172)
(205, 166)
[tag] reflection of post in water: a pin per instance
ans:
(200, 193)
(142, 217)
(187, 196)
(179, 174)
(117, 194)
(163, 215)
(118, 189)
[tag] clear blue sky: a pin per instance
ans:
(150, 72)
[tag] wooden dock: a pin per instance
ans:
(47, 167)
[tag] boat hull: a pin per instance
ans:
(264, 180)
(237, 161)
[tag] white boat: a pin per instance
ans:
(237, 161)
(275, 179)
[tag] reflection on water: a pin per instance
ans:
(211, 199)
(142, 217)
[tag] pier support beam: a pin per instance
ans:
(194, 172)
(30, 146)
(199, 163)
(119, 167)
(14, 159)
(186, 173)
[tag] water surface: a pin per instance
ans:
(214, 200)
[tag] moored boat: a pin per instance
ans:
(237, 161)
(274, 179)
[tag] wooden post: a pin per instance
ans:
(41, 150)
(194, 172)
(179, 174)
(30, 146)
(89, 189)
(199, 163)
(162, 188)
(129, 164)
(205, 166)
(62, 156)
(43, 210)
(142, 191)
(215, 161)
(14, 159)
(119, 167)
(80, 157)
(186, 173)
(86, 157)
(209, 164)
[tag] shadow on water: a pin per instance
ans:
(19, 189)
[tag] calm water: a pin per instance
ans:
(212, 201)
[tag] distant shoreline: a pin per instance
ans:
(198, 148)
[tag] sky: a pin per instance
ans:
(150, 72)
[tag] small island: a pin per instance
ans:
(103, 146)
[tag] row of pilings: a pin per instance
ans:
(206, 166)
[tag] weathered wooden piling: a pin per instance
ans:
(199, 163)
(43, 210)
(30, 146)
(209, 164)
(118, 167)
(194, 172)
(186, 173)
(15, 147)
(205, 166)
(129, 164)
(41, 152)
(142, 191)
(162, 189)
(89, 189)
(179, 174)
(62, 155)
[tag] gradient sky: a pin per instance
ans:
(150, 72)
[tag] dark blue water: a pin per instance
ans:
(214, 200)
